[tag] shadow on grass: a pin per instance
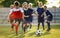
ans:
(31, 34)
(46, 33)
(55, 26)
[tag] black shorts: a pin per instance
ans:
(40, 19)
(16, 20)
(49, 19)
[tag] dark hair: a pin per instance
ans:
(16, 3)
(45, 6)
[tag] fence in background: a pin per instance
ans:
(5, 11)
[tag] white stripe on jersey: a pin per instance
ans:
(14, 9)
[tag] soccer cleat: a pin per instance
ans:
(16, 33)
(48, 29)
(43, 28)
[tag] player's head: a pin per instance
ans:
(45, 7)
(30, 5)
(25, 5)
(11, 6)
(16, 4)
(40, 4)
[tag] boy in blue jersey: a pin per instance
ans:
(40, 12)
(27, 15)
(49, 17)
(31, 14)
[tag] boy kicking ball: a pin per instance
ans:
(40, 14)
(49, 17)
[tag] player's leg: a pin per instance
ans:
(43, 25)
(38, 23)
(31, 22)
(16, 24)
(24, 25)
(30, 25)
(38, 26)
(48, 23)
(12, 25)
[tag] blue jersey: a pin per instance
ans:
(40, 11)
(48, 13)
(29, 13)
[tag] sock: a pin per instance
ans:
(12, 27)
(38, 25)
(43, 25)
(30, 26)
(48, 25)
(24, 28)
(16, 28)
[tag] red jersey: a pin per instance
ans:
(16, 14)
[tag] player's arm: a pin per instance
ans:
(36, 13)
(26, 16)
(9, 15)
(33, 13)
(42, 13)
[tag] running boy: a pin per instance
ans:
(16, 15)
(49, 17)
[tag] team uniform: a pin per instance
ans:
(28, 12)
(16, 14)
(49, 18)
(40, 19)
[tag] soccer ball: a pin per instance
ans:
(38, 32)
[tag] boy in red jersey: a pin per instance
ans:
(16, 15)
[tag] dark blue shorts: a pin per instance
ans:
(49, 19)
(40, 19)
(28, 20)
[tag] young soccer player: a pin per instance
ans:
(49, 17)
(16, 15)
(40, 11)
(31, 14)
(27, 15)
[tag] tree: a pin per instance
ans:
(7, 3)
(43, 1)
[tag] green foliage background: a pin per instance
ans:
(7, 3)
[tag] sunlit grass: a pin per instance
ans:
(5, 32)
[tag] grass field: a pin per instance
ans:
(5, 32)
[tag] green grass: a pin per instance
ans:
(5, 32)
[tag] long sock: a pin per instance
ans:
(22, 25)
(48, 25)
(30, 26)
(16, 28)
(43, 25)
(24, 28)
(38, 26)
(12, 27)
